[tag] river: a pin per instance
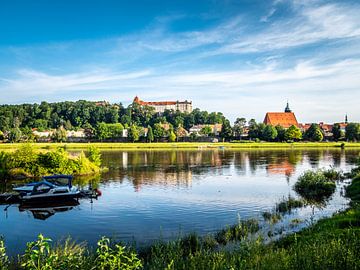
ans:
(148, 195)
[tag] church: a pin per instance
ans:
(285, 119)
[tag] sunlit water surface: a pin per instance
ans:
(147, 195)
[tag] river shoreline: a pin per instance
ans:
(186, 145)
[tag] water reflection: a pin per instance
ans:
(148, 194)
(44, 211)
(179, 168)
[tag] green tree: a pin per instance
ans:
(352, 132)
(269, 133)
(172, 136)
(226, 131)
(101, 131)
(239, 126)
(336, 131)
(206, 131)
(134, 133)
(293, 133)
(253, 129)
(59, 135)
(281, 133)
(159, 131)
(150, 134)
(312, 134)
(14, 135)
(318, 136)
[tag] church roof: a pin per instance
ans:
(284, 119)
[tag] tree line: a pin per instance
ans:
(104, 121)
(99, 121)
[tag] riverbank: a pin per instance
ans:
(186, 145)
(332, 243)
(29, 162)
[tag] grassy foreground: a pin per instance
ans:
(332, 243)
(186, 145)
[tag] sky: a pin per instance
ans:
(243, 58)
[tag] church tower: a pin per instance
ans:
(287, 109)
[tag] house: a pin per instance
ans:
(161, 106)
(285, 119)
(215, 128)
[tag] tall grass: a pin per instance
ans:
(316, 185)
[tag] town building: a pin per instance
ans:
(215, 129)
(161, 106)
(285, 119)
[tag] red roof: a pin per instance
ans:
(284, 119)
(151, 103)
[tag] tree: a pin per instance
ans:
(14, 135)
(159, 131)
(226, 130)
(134, 134)
(59, 135)
(270, 133)
(2, 137)
(253, 129)
(318, 135)
(172, 136)
(312, 134)
(150, 134)
(336, 131)
(352, 132)
(293, 133)
(281, 133)
(206, 131)
(102, 131)
(239, 126)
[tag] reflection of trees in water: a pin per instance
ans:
(178, 168)
(275, 162)
(314, 158)
(165, 167)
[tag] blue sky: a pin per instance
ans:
(242, 58)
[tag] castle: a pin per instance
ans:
(161, 106)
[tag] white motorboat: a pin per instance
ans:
(50, 188)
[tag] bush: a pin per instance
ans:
(315, 186)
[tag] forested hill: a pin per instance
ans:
(87, 114)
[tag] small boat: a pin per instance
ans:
(50, 188)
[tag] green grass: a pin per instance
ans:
(186, 145)
(316, 185)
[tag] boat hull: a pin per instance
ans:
(50, 198)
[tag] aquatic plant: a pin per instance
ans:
(314, 185)
(237, 232)
(286, 205)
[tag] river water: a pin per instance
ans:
(148, 195)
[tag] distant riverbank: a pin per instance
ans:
(187, 145)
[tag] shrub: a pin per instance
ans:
(314, 186)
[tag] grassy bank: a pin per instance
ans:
(187, 145)
(332, 243)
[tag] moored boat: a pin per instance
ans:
(50, 188)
